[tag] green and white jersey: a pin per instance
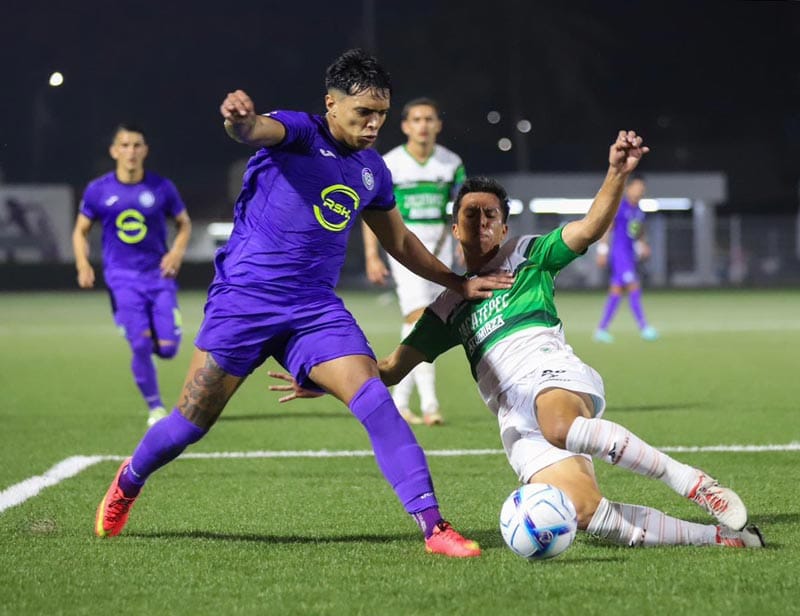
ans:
(498, 334)
(423, 190)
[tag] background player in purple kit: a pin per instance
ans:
(132, 206)
(627, 245)
(274, 289)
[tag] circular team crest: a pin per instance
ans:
(368, 178)
(147, 199)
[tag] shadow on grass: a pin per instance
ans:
(269, 416)
(488, 539)
(273, 539)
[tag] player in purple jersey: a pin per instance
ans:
(132, 207)
(273, 293)
(628, 245)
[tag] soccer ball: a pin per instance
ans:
(538, 521)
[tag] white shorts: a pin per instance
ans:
(414, 292)
(527, 450)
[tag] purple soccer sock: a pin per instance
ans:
(144, 372)
(427, 520)
(635, 302)
(612, 303)
(161, 444)
(397, 452)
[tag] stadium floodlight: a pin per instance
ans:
(56, 79)
(504, 144)
(581, 206)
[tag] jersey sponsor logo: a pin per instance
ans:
(327, 153)
(338, 204)
(634, 229)
(485, 320)
(130, 226)
(147, 199)
(367, 178)
(493, 325)
(424, 200)
(111, 200)
(429, 213)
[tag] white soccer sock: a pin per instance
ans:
(616, 445)
(638, 526)
(401, 393)
(425, 377)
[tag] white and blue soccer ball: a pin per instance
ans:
(538, 521)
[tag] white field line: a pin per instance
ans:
(69, 467)
(22, 491)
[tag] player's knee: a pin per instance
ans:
(554, 424)
(167, 349)
(141, 345)
(555, 431)
(556, 410)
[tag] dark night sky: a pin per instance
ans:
(711, 85)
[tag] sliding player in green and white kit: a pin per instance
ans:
(548, 403)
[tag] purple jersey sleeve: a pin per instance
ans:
(88, 205)
(300, 130)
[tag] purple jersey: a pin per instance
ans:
(133, 219)
(627, 228)
(299, 202)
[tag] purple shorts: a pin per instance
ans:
(622, 271)
(145, 302)
(242, 327)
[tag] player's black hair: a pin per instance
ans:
(356, 71)
(637, 175)
(128, 127)
(486, 185)
(416, 102)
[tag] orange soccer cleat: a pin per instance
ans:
(446, 540)
(112, 513)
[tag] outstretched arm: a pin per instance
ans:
(397, 365)
(392, 369)
(243, 125)
(623, 158)
(406, 247)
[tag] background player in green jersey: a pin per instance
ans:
(426, 176)
(548, 403)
